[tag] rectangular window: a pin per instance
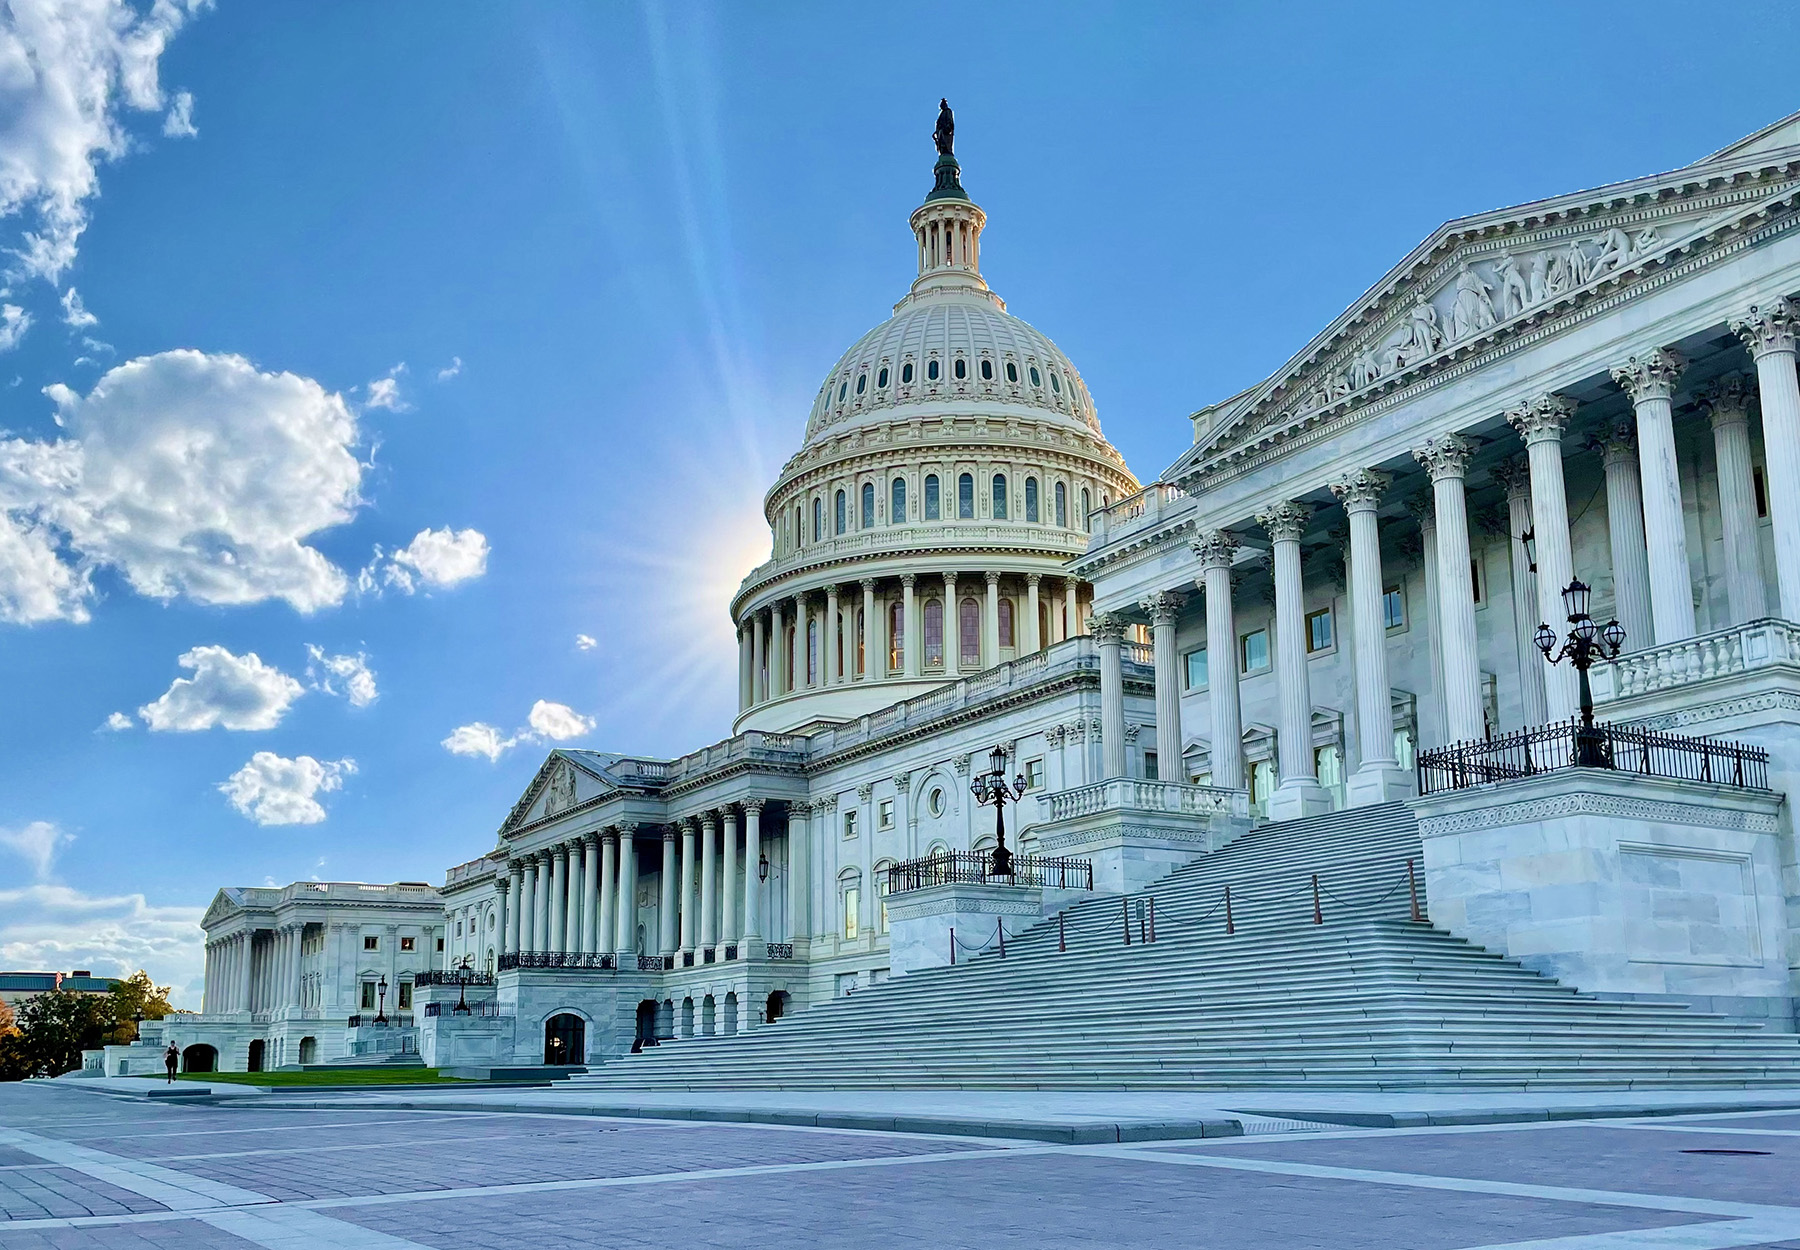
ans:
(1253, 651)
(368, 996)
(933, 505)
(440, 941)
(406, 996)
(850, 823)
(406, 943)
(999, 497)
(1393, 608)
(1031, 499)
(852, 903)
(881, 892)
(459, 928)
(1403, 749)
(886, 813)
(371, 943)
(1319, 635)
(965, 496)
(1034, 774)
(1151, 767)
(1195, 662)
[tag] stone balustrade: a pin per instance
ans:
(1150, 796)
(1722, 653)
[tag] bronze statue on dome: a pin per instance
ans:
(945, 134)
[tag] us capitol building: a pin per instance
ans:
(1292, 692)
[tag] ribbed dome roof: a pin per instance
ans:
(1004, 361)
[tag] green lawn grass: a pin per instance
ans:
(337, 1076)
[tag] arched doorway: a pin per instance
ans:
(563, 1039)
(778, 1005)
(646, 1022)
(199, 1058)
(256, 1055)
(687, 1017)
(309, 1050)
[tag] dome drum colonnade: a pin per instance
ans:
(951, 464)
(1652, 577)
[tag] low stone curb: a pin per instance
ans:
(1522, 1115)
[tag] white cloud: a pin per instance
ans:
(37, 844)
(273, 790)
(75, 313)
(67, 72)
(385, 392)
(53, 926)
(193, 475)
(178, 122)
(558, 721)
(118, 722)
(348, 675)
(451, 370)
(586, 642)
(478, 738)
(434, 558)
(14, 321)
(231, 691)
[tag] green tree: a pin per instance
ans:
(54, 1029)
(136, 998)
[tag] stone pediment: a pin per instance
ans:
(566, 780)
(1477, 281)
(222, 906)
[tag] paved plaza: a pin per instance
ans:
(82, 1169)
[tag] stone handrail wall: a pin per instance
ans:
(907, 538)
(1739, 649)
(1152, 796)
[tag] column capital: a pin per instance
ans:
(1216, 549)
(709, 820)
(909, 580)
(1727, 401)
(1423, 510)
(1107, 628)
(1514, 476)
(502, 885)
(865, 791)
(1542, 420)
(689, 824)
(1770, 327)
(1032, 579)
(1650, 375)
(1362, 490)
(993, 578)
(902, 779)
(753, 807)
(868, 585)
(831, 591)
(1446, 456)
(1285, 522)
(669, 833)
(1163, 608)
(590, 838)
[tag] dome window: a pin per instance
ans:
(1031, 499)
(931, 371)
(965, 497)
(987, 371)
(897, 502)
(1000, 496)
(843, 389)
(1056, 383)
(1012, 372)
(868, 505)
(906, 374)
(1062, 505)
(932, 503)
(1035, 379)
(862, 383)
(818, 518)
(837, 513)
(961, 368)
(881, 379)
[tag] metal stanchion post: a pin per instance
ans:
(1230, 928)
(1318, 916)
(1412, 886)
(1125, 907)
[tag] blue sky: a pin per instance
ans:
(454, 334)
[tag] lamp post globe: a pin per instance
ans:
(1586, 642)
(381, 1008)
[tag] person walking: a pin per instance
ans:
(171, 1060)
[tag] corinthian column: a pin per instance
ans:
(872, 662)
(1164, 610)
(1769, 331)
(728, 914)
(1540, 423)
(752, 887)
(684, 909)
(832, 671)
(1625, 536)
(1216, 551)
(1516, 478)
(990, 623)
(1298, 793)
(909, 624)
(1109, 632)
(528, 906)
(759, 660)
(953, 656)
(709, 879)
(516, 877)
(1650, 381)
(559, 888)
(1378, 775)
(609, 891)
(1446, 459)
(1034, 640)
(778, 652)
(628, 883)
(590, 894)
(1728, 404)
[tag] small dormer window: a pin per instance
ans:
(862, 383)
(843, 390)
(1012, 372)
(1056, 383)
(881, 379)
(987, 371)
(931, 371)
(961, 368)
(1035, 379)
(906, 374)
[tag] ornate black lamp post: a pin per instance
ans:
(462, 988)
(992, 788)
(1586, 643)
(381, 1009)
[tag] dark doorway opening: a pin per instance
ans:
(256, 1055)
(646, 1022)
(778, 1005)
(564, 1039)
(199, 1058)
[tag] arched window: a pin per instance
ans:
(812, 651)
(881, 891)
(906, 374)
(1006, 623)
(896, 636)
(987, 371)
(862, 383)
(1044, 634)
(843, 389)
(1000, 496)
(934, 633)
(1012, 372)
(850, 901)
(837, 513)
(965, 496)
(1086, 509)
(1031, 499)
(1056, 382)
(897, 502)
(931, 371)
(931, 497)
(969, 631)
(962, 369)
(1062, 505)
(868, 505)
(881, 379)
(862, 659)
(818, 519)
(1035, 379)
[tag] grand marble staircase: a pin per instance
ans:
(1368, 999)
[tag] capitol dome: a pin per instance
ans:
(951, 463)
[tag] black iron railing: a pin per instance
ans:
(557, 959)
(437, 976)
(976, 868)
(655, 963)
(1567, 744)
(778, 950)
